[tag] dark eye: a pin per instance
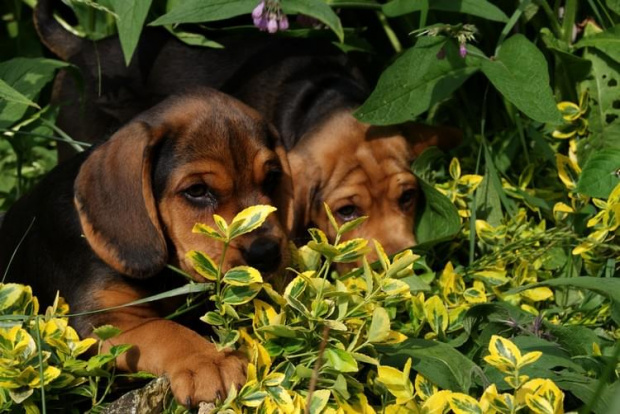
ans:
(272, 180)
(199, 193)
(407, 199)
(348, 212)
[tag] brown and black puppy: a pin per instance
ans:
(307, 88)
(102, 227)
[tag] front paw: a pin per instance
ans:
(206, 376)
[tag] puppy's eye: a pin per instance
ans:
(348, 212)
(272, 180)
(199, 193)
(407, 199)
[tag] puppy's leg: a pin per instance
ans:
(196, 370)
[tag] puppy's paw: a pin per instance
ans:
(206, 376)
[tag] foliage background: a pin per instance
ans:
(531, 198)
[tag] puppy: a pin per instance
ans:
(102, 227)
(306, 87)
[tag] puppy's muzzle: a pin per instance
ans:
(263, 254)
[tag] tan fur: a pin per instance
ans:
(347, 162)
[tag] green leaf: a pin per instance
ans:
(11, 95)
(203, 264)
(598, 176)
(213, 318)
(519, 72)
(208, 231)
(105, 332)
(438, 219)
(318, 401)
(26, 76)
(249, 219)
(131, 16)
(351, 250)
(9, 294)
(242, 276)
(340, 360)
(379, 326)
(317, 9)
(604, 111)
(227, 338)
(200, 11)
(614, 5)
(480, 8)
(607, 42)
(351, 225)
(238, 295)
(414, 82)
(438, 362)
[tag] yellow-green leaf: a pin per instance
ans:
(249, 219)
(203, 264)
(396, 382)
(424, 388)
(436, 314)
(242, 276)
(208, 231)
(379, 326)
(464, 404)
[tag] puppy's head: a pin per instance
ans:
(139, 194)
(362, 170)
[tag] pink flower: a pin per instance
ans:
(272, 25)
(258, 11)
(284, 22)
(268, 16)
(463, 50)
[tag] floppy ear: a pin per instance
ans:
(421, 136)
(116, 206)
(284, 198)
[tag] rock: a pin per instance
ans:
(149, 399)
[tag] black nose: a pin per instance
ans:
(263, 254)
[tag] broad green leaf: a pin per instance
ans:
(200, 11)
(480, 8)
(415, 82)
(11, 95)
(519, 72)
(604, 114)
(379, 326)
(340, 360)
(203, 264)
(440, 363)
(227, 338)
(249, 219)
(27, 76)
(317, 9)
(242, 276)
(130, 19)
(438, 219)
(607, 42)
(238, 295)
(598, 176)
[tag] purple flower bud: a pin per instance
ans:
(272, 25)
(462, 50)
(258, 11)
(283, 23)
(262, 23)
(441, 54)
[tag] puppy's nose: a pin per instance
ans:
(263, 254)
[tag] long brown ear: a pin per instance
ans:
(421, 136)
(116, 206)
(284, 199)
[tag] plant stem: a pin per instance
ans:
(551, 17)
(218, 279)
(398, 47)
(568, 22)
